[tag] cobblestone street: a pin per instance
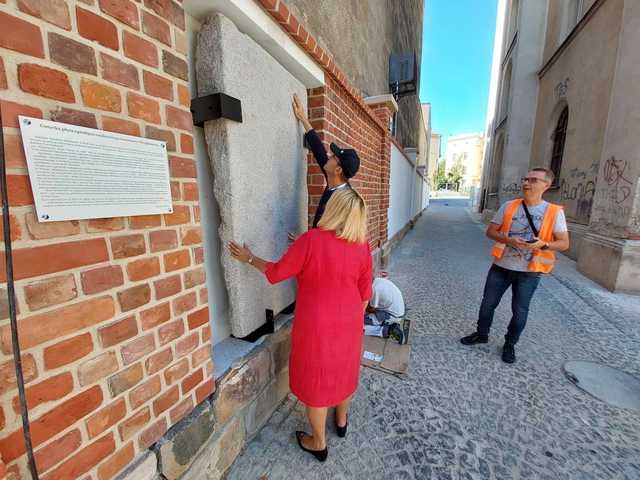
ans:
(461, 413)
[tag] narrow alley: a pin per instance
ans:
(461, 413)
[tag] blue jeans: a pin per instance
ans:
(523, 285)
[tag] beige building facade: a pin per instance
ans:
(581, 118)
(466, 151)
(435, 153)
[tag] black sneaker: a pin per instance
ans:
(396, 333)
(508, 353)
(474, 338)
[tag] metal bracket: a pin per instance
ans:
(268, 327)
(217, 105)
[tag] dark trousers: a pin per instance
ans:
(523, 285)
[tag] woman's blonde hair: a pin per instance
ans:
(346, 214)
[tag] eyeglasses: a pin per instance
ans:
(531, 180)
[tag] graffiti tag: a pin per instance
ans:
(614, 175)
(582, 193)
(512, 188)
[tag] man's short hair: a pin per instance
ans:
(548, 174)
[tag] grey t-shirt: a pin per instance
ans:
(515, 258)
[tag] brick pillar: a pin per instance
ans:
(384, 106)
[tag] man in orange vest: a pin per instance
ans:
(527, 232)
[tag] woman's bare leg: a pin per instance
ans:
(318, 420)
(341, 411)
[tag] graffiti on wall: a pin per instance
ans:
(511, 188)
(615, 174)
(579, 188)
(582, 193)
(614, 208)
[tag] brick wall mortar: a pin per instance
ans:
(98, 111)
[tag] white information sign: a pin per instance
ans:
(78, 173)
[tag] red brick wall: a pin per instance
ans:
(113, 315)
(340, 118)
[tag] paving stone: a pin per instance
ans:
(461, 413)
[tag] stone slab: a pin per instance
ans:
(219, 454)
(613, 263)
(258, 165)
(241, 385)
(145, 467)
(258, 412)
(180, 447)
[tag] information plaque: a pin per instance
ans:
(78, 173)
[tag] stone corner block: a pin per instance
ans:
(279, 345)
(241, 385)
(219, 453)
(178, 449)
(145, 467)
(260, 410)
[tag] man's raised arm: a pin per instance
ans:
(311, 137)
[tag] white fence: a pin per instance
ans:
(409, 191)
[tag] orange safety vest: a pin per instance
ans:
(542, 260)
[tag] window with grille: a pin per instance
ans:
(559, 136)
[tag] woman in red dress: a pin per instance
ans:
(332, 265)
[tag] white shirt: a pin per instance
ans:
(387, 297)
(339, 186)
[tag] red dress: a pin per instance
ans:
(334, 279)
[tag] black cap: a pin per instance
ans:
(348, 159)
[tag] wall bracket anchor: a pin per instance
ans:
(217, 105)
(268, 327)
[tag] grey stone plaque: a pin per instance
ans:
(258, 165)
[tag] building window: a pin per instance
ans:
(506, 92)
(559, 137)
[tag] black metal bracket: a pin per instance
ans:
(217, 105)
(268, 327)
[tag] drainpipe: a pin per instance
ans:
(17, 357)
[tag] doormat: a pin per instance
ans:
(386, 354)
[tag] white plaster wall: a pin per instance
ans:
(259, 175)
(402, 184)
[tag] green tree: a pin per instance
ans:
(454, 177)
(440, 178)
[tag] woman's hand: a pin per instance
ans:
(240, 253)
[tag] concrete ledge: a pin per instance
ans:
(253, 21)
(386, 99)
(577, 233)
(611, 262)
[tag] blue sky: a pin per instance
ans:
(457, 46)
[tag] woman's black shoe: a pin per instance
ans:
(319, 454)
(342, 431)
